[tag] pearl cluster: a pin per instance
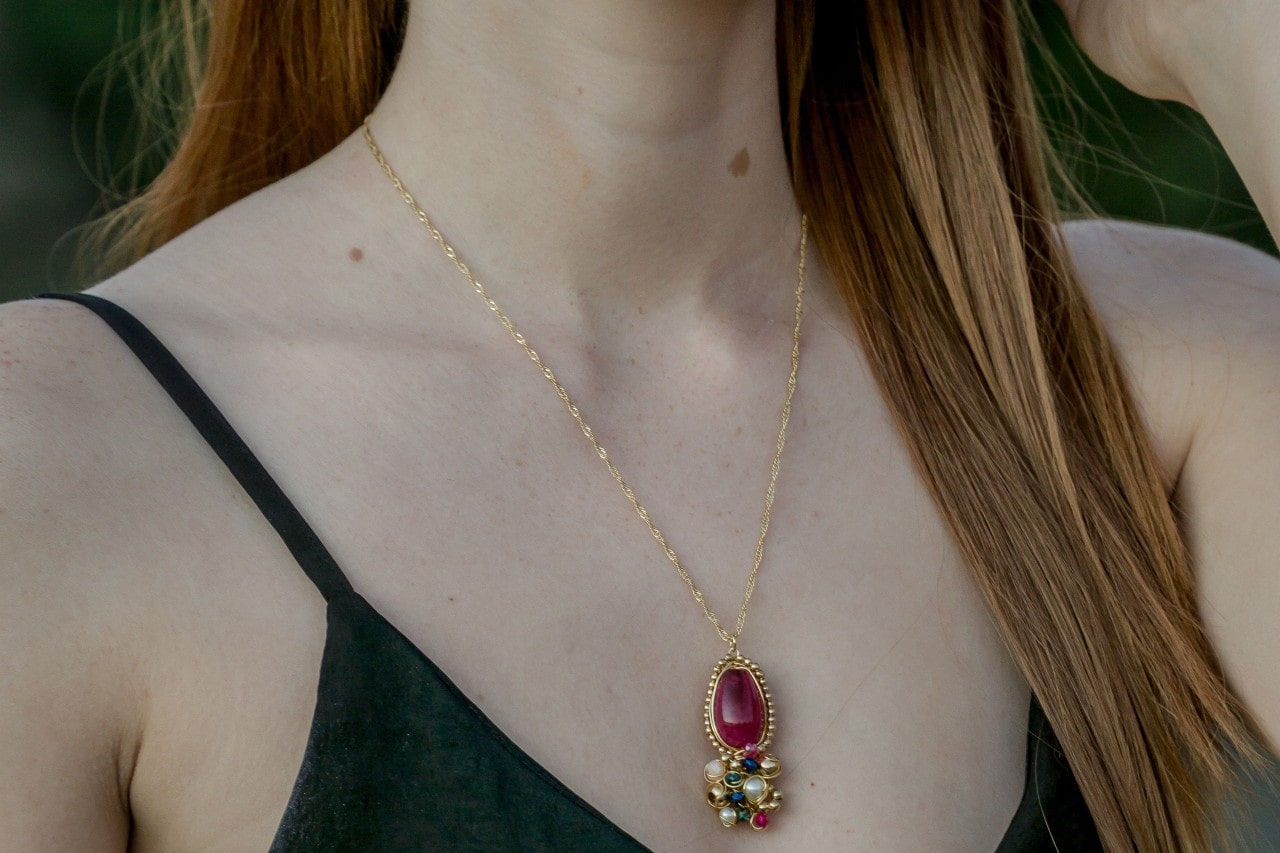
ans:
(739, 786)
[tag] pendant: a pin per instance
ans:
(740, 724)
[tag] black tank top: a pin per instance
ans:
(399, 759)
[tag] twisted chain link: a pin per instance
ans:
(730, 638)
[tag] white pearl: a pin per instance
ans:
(714, 770)
(755, 788)
(728, 816)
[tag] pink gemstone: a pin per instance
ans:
(760, 820)
(738, 709)
(751, 750)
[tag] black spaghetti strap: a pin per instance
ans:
(298, 536)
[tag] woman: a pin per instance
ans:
(972, 508)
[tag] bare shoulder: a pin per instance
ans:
(1185, 311)
(69, 402)
(102, 573)
(70, 697)
(118, 524)
(1197, 318)
(1143, 275)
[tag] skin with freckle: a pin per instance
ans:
(162, 647)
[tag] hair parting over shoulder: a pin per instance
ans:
(917, 155)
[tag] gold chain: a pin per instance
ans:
(520, 339)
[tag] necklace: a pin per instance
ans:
(738, 713)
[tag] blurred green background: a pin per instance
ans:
(50, 99)
(63, 135)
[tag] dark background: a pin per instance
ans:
(64, 139)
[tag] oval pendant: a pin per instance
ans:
(740, 723)
(739, 714)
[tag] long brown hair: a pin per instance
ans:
(916, 152)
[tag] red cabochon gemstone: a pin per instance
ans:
(738, 709)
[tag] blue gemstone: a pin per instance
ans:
(751, 764)
(737, 797)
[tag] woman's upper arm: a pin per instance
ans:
(1229, 491)
(1196, 322)
(69, 678)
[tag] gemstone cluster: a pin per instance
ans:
(740, 723)
(740, 787)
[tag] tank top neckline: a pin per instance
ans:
(1036, 723)
(320, 567)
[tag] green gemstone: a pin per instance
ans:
(744, 815)
(733, 778)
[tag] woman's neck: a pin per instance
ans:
(601, 154)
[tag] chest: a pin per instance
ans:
(497, 542)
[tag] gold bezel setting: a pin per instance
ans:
(735, 660)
